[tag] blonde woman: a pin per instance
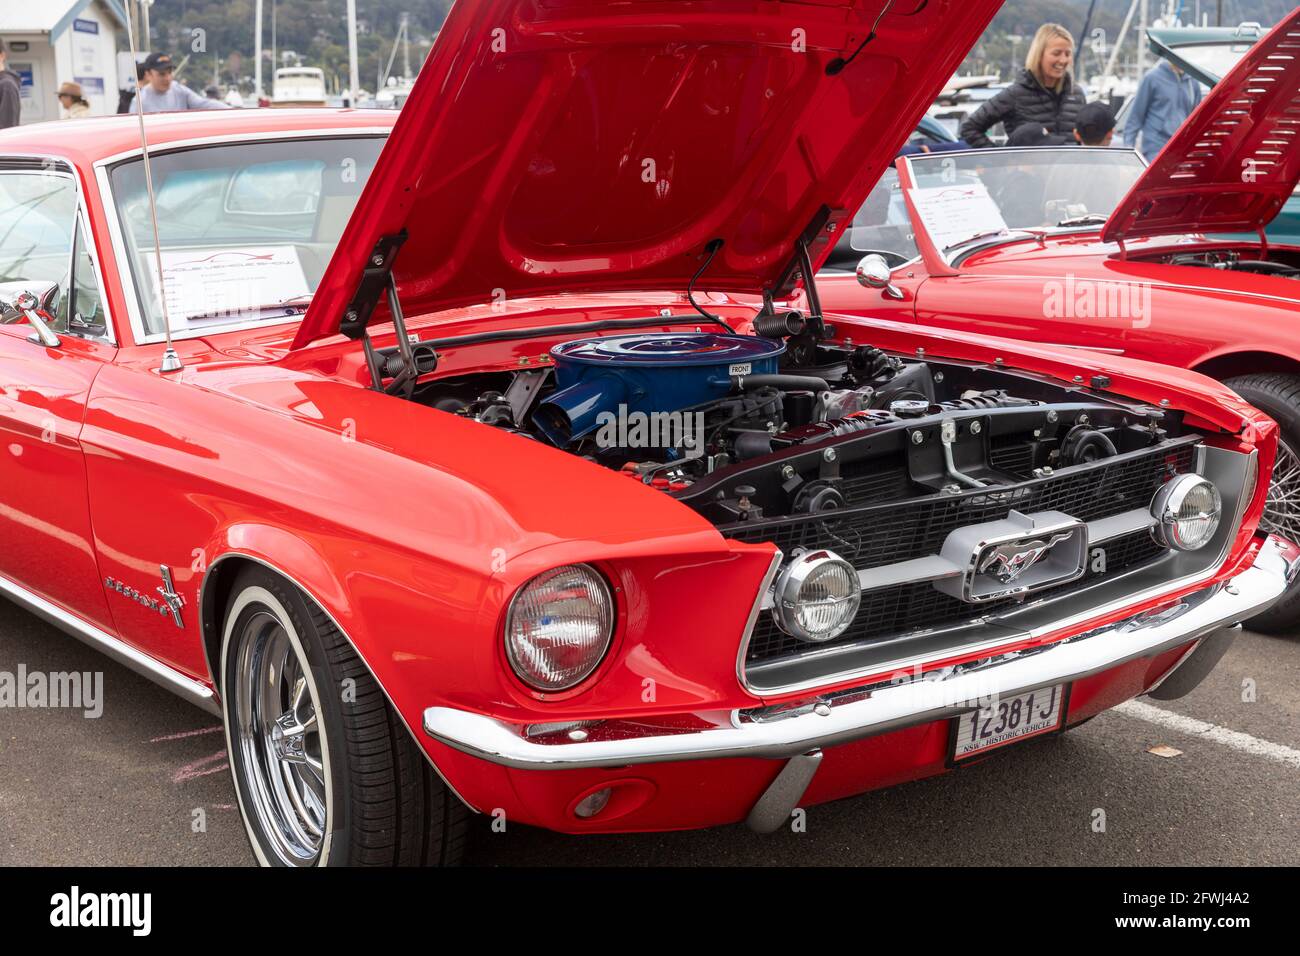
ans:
(1044, 95)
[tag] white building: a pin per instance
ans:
(50, 42)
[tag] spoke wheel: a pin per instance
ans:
(280, 740)
(1279, 395)
(325, 771)
(1282, 508)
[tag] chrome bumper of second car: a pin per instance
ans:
(843, 717)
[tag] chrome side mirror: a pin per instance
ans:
(873, 273)
(30, 306)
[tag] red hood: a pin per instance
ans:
(1236, 160)
(555, 146)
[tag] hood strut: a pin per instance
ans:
(376, 280)
(820, 232)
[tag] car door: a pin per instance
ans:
(46, 544)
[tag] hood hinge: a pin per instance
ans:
(374, 283)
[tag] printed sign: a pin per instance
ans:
(954, 214)
(85, 26)
(228, 285)
(26, 80)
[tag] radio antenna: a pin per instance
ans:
(171, 362)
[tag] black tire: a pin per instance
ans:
(1279, 396)
(374, 798)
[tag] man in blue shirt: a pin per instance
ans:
(161, 94)
(1164, 100)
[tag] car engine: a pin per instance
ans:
(733, 428)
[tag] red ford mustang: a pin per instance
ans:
(464, 485)
(1089, 248)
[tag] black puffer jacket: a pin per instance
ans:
(1025, 101)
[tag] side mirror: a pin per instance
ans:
(873, 273)
(32, 309)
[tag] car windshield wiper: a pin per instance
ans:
(1091, 219)
(993, 233)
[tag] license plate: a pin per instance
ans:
(1008, 720)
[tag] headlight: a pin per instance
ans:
(1187, 512)
(559, 626)
(816, 596)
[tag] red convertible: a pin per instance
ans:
(1089, 248)
(449, 471)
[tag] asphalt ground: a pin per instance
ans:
(147, 783)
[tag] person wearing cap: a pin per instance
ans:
(73, 103)
(1095, 125)
(159, 93)
(11, 92)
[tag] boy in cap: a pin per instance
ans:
(1095, 125)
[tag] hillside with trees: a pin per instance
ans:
(314, 32)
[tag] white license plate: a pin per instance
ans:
(1007, 720)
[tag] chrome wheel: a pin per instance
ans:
(280, 740)
(1282, 507)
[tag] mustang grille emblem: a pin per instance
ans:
(1009, 561)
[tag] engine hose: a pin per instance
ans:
(778, 325)
(786, 383)
(1264, 267)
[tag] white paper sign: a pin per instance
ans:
(228, 285)
(956, 213)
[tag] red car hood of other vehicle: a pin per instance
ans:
(555, 146)
(1236, 160)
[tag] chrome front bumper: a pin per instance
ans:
(1209, 617)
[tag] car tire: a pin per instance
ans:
(1279, 396)
(325, 771)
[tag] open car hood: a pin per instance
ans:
(1235, 161)
(554, 146)
(1205, 53)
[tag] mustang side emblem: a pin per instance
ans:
(1009, 561)
(171, 602)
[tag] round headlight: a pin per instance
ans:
(559, 626)
(816, 596)
(1187, 510)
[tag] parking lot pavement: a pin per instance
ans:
(147, 783)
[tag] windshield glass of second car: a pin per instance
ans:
(1071, 187)
(246, 230)
(1214, 59)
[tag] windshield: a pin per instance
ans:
(1212, 59)
(962, 196)
(246, 230)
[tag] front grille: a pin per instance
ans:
(877, 535)
(920, 606)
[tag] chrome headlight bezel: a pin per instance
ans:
(788, 597)
(518, 651)
(1169, 501)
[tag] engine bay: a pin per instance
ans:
(1272, 262)
(751, 428)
